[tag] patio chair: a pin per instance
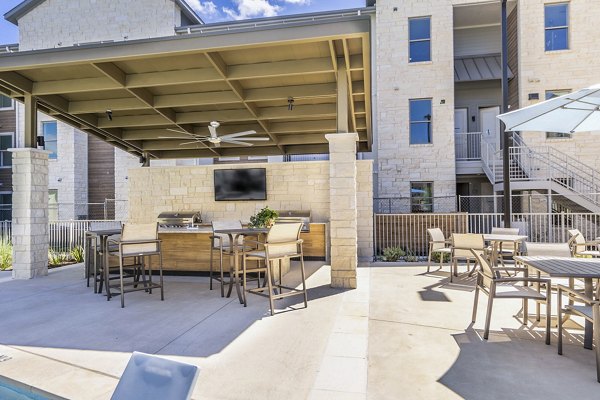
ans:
(579, 246)
(149, 377)
(506, 249)
(491, 282)
(138, 242)
(462, 244)
(282, 242)
(437, 244)
(589, 311)
(93, 251)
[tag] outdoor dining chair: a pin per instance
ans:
(491, 282)
(462, 244)
(438, 244)
(138, 242)
(580, 247)
(506, 249)
(282, 242)
(589, 311)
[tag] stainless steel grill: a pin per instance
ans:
(296, 216)
(179, 219)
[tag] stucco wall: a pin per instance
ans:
(573, 69)
(399, 163)
(60, 23)
(290, 186)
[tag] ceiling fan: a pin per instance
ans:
(234, 138)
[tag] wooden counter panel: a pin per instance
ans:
(190, 251)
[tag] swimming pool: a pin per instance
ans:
(11, 392)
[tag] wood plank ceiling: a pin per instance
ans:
(246, 87)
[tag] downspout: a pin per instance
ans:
(506, 135)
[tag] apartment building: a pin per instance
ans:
(7, 137)
(437, 91)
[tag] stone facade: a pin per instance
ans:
(61, 23)
(343, 218)
(398, 81)
(570, 69)
(30, 213)
(291, 186)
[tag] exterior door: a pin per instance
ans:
(490, 125)
(460, 126)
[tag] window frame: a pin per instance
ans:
(410, 41)
(420, 206)
(552, 28)
(12, 104)
(54, 154)
(4, 152)
(411, 122)
(560, 135)
(9, 209)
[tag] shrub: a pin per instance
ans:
(392, 254)
(410, 256)
(435, 257)
(57, 258)
(77, 254)
(5, 254)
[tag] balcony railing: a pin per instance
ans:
(467, 146)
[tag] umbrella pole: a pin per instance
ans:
(506, 135)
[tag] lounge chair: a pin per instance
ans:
(149, 377)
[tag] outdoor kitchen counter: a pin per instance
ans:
(189, 249)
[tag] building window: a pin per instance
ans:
(6, 142)
(420, 121)
(53, 205)
(5, 206)
(556, 25)
(419, 31)
(6, 103)
(49, 131)
(550, 94)
(421, 197)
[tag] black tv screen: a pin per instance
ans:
(240, 184)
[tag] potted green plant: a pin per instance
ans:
(265, 218)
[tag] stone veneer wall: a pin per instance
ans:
(572, 69)
(399, 163)
(61, 23)
(290, 186)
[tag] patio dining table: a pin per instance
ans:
(234, 235)
(587, 269)
(102, 236)
(497, 239)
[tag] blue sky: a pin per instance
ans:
(217, 10)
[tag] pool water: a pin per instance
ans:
(10, 392)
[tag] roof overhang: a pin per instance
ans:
(241, 79)
(15, 14)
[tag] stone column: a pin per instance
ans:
(343, 214)
(30, 213)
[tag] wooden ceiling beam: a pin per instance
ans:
(324, 125)
(322, 90)
(307, 111)
(279, 68)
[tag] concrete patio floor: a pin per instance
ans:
(402, 334)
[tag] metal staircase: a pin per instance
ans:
(544, 168)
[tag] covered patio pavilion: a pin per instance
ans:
(304, 83)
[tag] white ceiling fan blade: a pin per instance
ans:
(194, 142)
(173, 137)
(232, 135)
(251, 139)
(240, 143)
(213, 131)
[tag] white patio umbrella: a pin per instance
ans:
(574, 112)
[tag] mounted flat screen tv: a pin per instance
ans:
(240, 184)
